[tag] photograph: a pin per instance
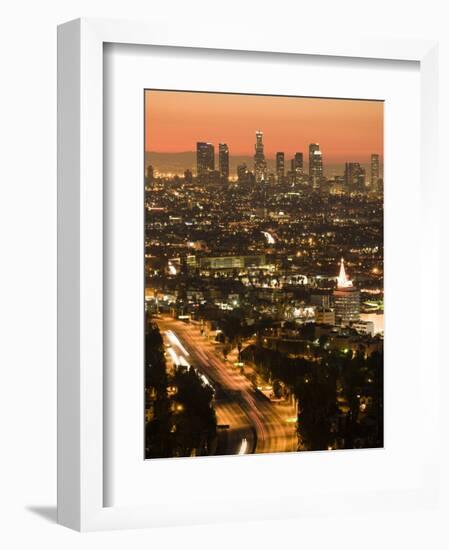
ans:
(264, 274)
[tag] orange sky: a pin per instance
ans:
(347, 130)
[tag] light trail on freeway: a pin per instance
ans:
(247, 412)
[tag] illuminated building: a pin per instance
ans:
(364, 327)
(191, 261)
(205, 160)
(260, 164)
(223, 161)
(298, 167)
(280, 167)
(315, 165)
(301, 315)
(324, 316)
(214, 177)
(377, 319)
(188, 176)
(354, 176)
(346, 299)
(232, 262)
(374, 176)
(359, 343)
(243, 174)
(290, 177)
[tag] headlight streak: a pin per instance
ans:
(174, 356)
(243, 446)
(175, 341)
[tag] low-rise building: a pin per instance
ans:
(364, 327)
(232, 262)
(324, 316)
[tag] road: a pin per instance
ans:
(255, 423)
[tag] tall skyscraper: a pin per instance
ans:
(374, 176)
(223, 161)
(260, 164)
(315, 165)
(298, 166)
(205, 160)
(280, 167)
(354, 176)
(346, 299)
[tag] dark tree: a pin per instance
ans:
(157, 429)
(194, 418)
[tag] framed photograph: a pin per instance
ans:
(246, 236)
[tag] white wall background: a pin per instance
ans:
(28, 267)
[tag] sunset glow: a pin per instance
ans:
(345, 129)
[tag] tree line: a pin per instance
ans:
(340, 395)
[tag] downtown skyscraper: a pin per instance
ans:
(315, 165)
(354, 176)
(280, 167)
(260, 164)
(223, 161)
(205, 160)
(298, 167)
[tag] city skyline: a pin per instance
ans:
(289, 124)
(176, 163)
(210, 167)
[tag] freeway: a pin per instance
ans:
(255, 423)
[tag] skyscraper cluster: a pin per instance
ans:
(354, 176)
(205, 162)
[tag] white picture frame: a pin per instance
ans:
(81, 474)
